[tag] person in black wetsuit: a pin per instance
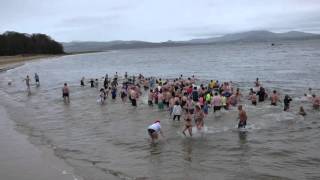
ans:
(92, 83)
(82, 82)
(195, 94)
(286, 102)
(262, 94)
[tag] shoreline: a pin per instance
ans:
(20, 159)
(11, 62)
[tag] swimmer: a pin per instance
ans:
(27, 79)
(198, 117)
(154, 129)
(134, 96)
(102, 96)
(216, 102)
(224, 102)
(116, 76)
(253, 99)
(150, 98)
(96, 83)
(208, 97)
(114, 92)
(242, 117)
(106, 83)
(201, 101)
(195, 94)
(176, 111)
(92, 83)
(188, 124)
(65, 93)
(123, 94)
(286, 102)
(262, 94)
(274, 98)
(251, 92)
(206, 108)
(315, 102)
(310, 91)
(160, 100)
(82, 82)
(233, 100)
(302, 112)
(257, 83)
(238, 95)
(172, 102)
(190, 106)
(37, 79)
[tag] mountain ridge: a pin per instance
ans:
(249, 36)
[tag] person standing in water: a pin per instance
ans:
(102, 96)
(188, 124)
(176, 111)
(65, 93)
(114, 93)
(96, 83)
(37, 79)
(28, 83)
(198, 117)
(242, 117)
(274, 98)
(82, 82)
(154, 130)
(216, 102)
(315, 102)
(302, 112)
(262, 94)
(195, 94)
(286, 102)
(253, 98)
(134, 96)
(123, 94)
(160, 100)
(257, 83)
(150, 98)
(106, 83)
(92, 83)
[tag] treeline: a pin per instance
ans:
(14, 43)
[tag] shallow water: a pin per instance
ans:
(110, 141)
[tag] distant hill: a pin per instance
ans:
(253, 36)
(92, 46)
(250, 36)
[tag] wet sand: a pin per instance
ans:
(19, 159)
(9, 62)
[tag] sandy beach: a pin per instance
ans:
(22, 160)
(9, 62)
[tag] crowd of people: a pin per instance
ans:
(183, 98)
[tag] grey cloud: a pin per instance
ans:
(84, 21)
(67, 20)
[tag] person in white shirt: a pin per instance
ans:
(154, 129)
(176, 111)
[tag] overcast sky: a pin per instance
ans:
(155, 20)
